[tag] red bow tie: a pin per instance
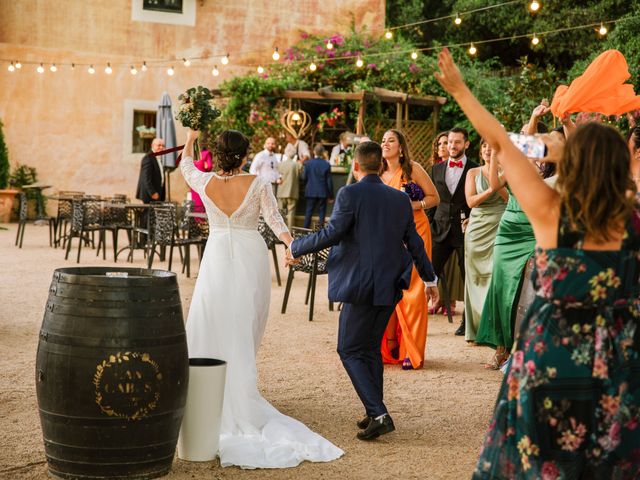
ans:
(453, 163)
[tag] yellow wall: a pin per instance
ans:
(73, 127)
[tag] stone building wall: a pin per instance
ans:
(76, 128)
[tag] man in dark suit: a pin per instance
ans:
(151, 178)
(319, 188)
(446, 229)
(375, 245)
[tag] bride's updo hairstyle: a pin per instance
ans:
(230, 149)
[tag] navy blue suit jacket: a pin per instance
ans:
(374, 241)
(317, 174)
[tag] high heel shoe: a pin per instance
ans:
(497, 360)
(435, 309)
(406, 364)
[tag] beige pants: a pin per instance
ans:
(289, 206)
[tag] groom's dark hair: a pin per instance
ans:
(369, 156)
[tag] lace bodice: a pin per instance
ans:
(259, 199)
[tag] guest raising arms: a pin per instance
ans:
(569, 405)
(487, 206)
(406, 334)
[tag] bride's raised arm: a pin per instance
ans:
(194, 177)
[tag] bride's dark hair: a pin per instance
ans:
(230, 148)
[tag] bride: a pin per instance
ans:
(230, 306)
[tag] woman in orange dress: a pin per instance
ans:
(406, 335)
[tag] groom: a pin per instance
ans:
(375, 240)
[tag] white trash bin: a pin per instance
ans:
(200, 431)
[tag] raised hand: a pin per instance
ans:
(449, 75)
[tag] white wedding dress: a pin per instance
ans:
(226, 321)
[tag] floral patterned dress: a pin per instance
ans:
(569, 406)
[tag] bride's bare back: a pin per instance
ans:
(229, 193)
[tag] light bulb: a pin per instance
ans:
(457, 20)
(359, 63)
(40, 69)
(472, 49)
(133, 70)
(225, 59)
(388, 35)
(73, 66)
(260, 69)
(414, 55)
(535, 40)
(534, 6)
(313, 67)
(11, 67)
(144, 66)
(108, 70)
(296, 117)
(53, 67)
(329, 45)
(215, 72)
(91, 70)
(276, 55)
(186, 62)
(602, 30)
(170, 71)
(18, 65)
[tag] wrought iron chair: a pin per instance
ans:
(271, 240)
(313, 264)
(86, 218)
(64, 216)
(115, 218)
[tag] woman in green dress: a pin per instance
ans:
(569, 405)
(487, 207)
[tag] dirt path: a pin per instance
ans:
(440, 412)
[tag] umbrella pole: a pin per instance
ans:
(167, 175)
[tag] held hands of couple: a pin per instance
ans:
(288, 258)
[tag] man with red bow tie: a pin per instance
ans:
(446, 228)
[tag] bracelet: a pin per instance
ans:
(423, 204)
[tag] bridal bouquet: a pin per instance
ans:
(414, 191)
(197, 110)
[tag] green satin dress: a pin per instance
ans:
(479, 240)
(514, 246)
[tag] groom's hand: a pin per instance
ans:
(288, 258)
(432, 292)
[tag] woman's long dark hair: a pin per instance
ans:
(405, 157)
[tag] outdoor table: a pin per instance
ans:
(138, 210)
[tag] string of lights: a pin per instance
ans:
(224, 58)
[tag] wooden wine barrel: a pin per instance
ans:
(111, 372)
(526, 296)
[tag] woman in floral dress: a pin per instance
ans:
(569, 406)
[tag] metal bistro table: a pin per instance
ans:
(138, 226)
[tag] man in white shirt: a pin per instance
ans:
(300, 147)
(265, 163)
(342, 147)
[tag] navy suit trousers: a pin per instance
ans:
(312, 202)
(360, 332)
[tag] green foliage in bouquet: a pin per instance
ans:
(197, 110)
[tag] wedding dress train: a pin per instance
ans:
(226, 321)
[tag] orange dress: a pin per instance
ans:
(411, 310)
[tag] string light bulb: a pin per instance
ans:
(73, 66)
(40, 68)
(225, 59)
(11, 67)
(215, 72)
(133, 70)
(18, 65)
(534, 6)
(91, 70)
(414, 55)
(275, 55)
(457, 20)
(313, 67)
(388, 35)
(359, 62)
(602, 30)
(260, 69)
(186, 62)
(329, 45)
(535, 40)
(108, 70)
(144, 66)
(170, 71)
(53, 68)
(472, 49)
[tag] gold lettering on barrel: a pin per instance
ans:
(127, 385)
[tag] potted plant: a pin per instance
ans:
(6, 195)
